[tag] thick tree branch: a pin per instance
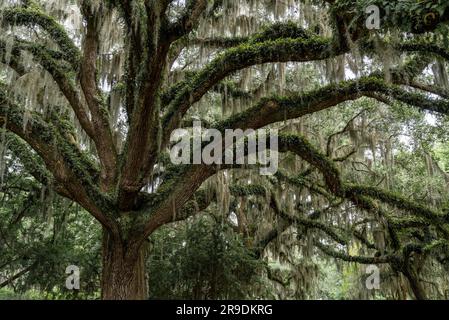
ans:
(276, 109)
(281, 50)
(358, 259)
(34, 16)
(189, 20)
(33, 164)
(44, 58)
(88, 78)
(68, 165)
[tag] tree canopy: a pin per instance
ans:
(91, 92)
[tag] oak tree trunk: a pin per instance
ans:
(415, 285)
(123, 273)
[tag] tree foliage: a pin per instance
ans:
(91, 91)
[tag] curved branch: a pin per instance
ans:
(58, 74)
(33, 164)
(358, 259)
(424, 48)
(67, 164)
(398, 201)
(33, 16)
(276, 109)
(244, 56)
(189, 20)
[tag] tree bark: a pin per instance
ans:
(123, 274)
(415, 285)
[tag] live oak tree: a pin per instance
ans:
(95, 89)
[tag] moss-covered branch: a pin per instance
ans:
(189, 20)
(70, 167)
(275, 31)
(276, 109)
(239, 190)
(200, 202)
(97, 129)
(243, 56)
(424, 48)
(13, 61)
(33, 164)
(33, 16)
(47, 60)
(305, 150)
(435, 217)
(358, 259)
